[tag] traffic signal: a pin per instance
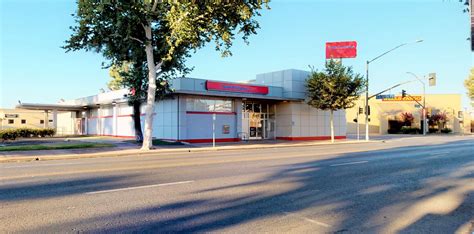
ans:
(404, 93)
(368, 110)
(361, 110)
(432, 79)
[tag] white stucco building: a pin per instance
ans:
(270, 107)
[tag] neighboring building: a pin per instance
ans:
(390, 108)
(270, 107)
(17, 118)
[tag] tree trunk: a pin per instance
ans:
(150, 100)
(332, 126)
(137, 122)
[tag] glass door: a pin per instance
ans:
(256, 126)
(255, 120)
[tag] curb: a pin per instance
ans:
(160, 151)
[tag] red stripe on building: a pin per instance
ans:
(111, 116)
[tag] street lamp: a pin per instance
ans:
(424, 101)
(367, 85)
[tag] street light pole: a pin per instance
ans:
(424, 101)
(367, 85)
(367, 101)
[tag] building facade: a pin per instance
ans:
(18, 118)
(390, 107)
(270, 107)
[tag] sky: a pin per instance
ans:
(35, 69)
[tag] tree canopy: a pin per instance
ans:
(469, 84)
(160, 34)
(334, 88)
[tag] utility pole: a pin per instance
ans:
(367, 85)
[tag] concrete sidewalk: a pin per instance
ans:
(23, 156)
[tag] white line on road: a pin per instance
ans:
(349, 163)
(140, 187)
(439, 153)
(40, 165)
(307, 219)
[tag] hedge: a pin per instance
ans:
(13, 133)
(410, 130)
(446, 130)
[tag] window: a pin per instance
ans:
(50, 120)
(209, 104)
(11, 121)
(23, 121)
(41, 121)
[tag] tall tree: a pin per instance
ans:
(116, 73)
(133, 76)
(469, 84)
(336, 87)
(166, 31)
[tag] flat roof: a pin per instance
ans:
(59, 107)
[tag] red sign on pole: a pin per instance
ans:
(237, 88)
(343, 49)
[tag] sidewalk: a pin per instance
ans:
(129, 150)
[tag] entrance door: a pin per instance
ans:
(256, 126)
(255, 120)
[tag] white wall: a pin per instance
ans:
(165, 121)
(65, 123)
(297, 119)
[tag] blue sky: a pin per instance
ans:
(34, 68)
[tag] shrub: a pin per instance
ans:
(432, 130)
(407, 118)
(446, 130)
(410, 130)
(393, 131)
(394, 126)
(12, 134)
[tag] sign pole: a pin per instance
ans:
(214, 130)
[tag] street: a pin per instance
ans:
(404, 185)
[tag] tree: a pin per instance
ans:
(133, 76)
(469, 84)
(116, 73)
(162, 33)
(407, 118)
(334, 88)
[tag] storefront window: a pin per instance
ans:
(208, 104)
(248, 107)
(256, 108)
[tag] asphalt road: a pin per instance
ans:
(406, 185)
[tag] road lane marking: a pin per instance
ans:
(307, 219)
(439, 153)
(140, 187)
(349, 163)
(40, 165)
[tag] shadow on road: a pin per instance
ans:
(430, 193)
(62, 188)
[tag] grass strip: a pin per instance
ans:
(159, 142)
(55, 147)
